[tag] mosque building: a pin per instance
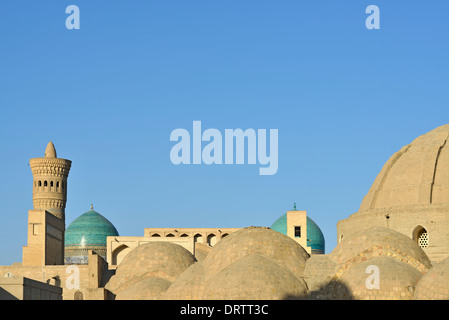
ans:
(87, 232)
(301, 228)
(400, 230)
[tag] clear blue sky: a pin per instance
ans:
(343, 98)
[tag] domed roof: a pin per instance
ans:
(255, 277)
(162, 259)
(189, 284)
(417, 174)
(434, 285)
(397, 280)
(280, 225)
(252, 263)
(264, 241)
(379, 241)
(89, 230)
(315, 238)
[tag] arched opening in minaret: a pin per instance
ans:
(45, 183)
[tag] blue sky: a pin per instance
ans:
(344, 99)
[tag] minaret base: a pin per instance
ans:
(45, 239)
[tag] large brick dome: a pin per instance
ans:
(416, 174)
(410, 195)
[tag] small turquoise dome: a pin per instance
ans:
(87, 232)
(315, 238)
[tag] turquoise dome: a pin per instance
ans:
(315, 238)
(87, 232)
(89, 229)
(280, 225)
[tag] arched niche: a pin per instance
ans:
(421, 236)
(119, 253)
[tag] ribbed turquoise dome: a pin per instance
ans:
(89, 230)
(315, 238)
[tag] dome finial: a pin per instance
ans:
(294, 206)
(50, 152)
(91, 206)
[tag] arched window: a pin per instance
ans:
(198, 238)
(45, 183)
(155, 235)
(184, 235)
(224, 235)
(421, 236)
(211, 239)
(40, 183)
(170, 235)
(51, 183)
